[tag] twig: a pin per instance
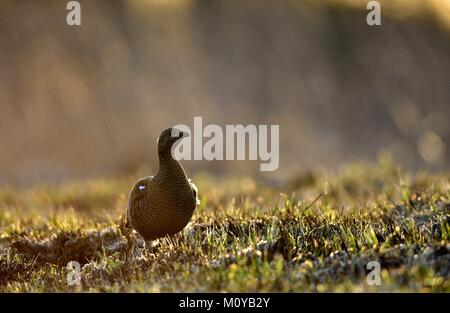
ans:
(314, 201)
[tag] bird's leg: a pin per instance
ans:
(134, 251)
(150, 245)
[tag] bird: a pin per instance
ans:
(163, 204)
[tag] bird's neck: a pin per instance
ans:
(169, 166)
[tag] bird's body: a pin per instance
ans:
(162, 204)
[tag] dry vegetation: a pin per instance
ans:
(245, 236)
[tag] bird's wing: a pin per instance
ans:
(136, 185)
(194, 191)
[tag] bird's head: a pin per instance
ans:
(168, 138)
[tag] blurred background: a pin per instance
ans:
(88, 101)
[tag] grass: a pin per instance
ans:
(315, 232)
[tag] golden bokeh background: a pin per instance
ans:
(78, 102)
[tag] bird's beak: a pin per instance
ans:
(179, 134)
(185, 134)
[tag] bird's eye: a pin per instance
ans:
(141, 187)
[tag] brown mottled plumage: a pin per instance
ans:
(163, 204)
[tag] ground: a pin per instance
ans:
(314, 232)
